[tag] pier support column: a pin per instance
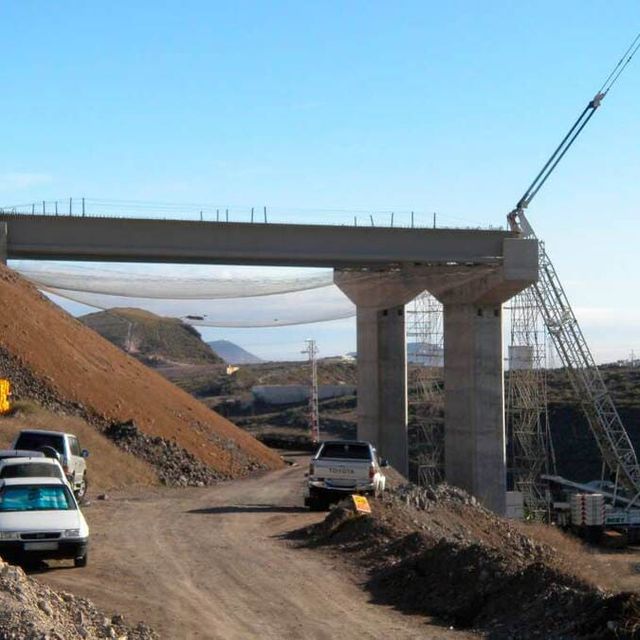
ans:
(382, 361)
(474, 441)
(474, 402)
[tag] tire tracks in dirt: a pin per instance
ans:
(212, 563)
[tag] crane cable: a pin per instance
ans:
(574, 132)
(621, 66)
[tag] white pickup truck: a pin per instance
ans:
(340, 468)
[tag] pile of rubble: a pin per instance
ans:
(175, 466)
(436, 551)
(32, 611)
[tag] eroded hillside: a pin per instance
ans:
(55, 360)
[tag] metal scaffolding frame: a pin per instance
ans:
(530, 449)
(426, 400)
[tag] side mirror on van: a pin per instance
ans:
(384, 462)
(84, 453)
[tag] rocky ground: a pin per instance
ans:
(175, 466)
(30, 610)
(437, 552)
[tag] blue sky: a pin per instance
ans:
(325, 106)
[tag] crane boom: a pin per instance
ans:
(597, 404)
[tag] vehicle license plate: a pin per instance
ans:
(40, 546)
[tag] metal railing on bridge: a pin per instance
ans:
(92, 207)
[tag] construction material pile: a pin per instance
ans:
(32, 611)
(437, 552)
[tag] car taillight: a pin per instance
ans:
(372, 472)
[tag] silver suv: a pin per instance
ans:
(63, 446)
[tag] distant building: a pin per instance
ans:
(297, 393)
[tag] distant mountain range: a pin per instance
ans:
(232, 353)
(151, 338)
(430, 355)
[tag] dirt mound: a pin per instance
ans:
(53, 358)
(437, 552)
(32, 611)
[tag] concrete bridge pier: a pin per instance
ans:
(382, 364)
(474, 430)
(472, 296)
(474, 434)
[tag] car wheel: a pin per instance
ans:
(81, 491)
(81, 561)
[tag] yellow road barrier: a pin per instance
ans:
(5, 394)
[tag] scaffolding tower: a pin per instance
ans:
(530, 449)
(425, 350)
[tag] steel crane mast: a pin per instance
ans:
(585, 377)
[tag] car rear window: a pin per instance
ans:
(37, 440)
(36, 498)
(30, 470)
(350, 451)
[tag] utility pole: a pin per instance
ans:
(314, 418)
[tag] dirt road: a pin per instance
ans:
(212, 563)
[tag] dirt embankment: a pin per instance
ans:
(54, 359)
(437, 552)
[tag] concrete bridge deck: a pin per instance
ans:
(47, 237)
